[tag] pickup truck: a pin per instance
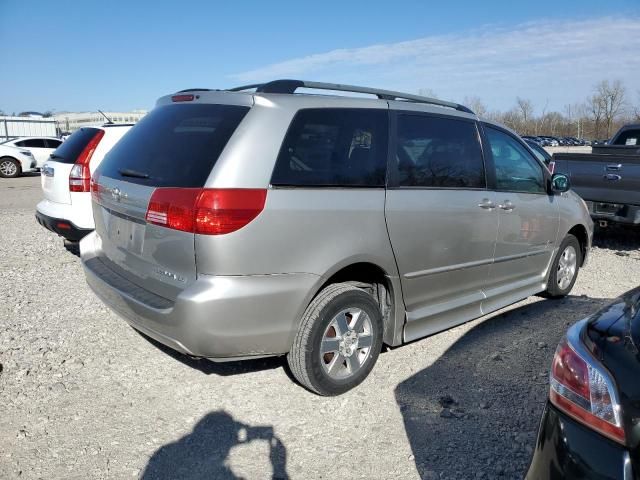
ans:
(608, 179)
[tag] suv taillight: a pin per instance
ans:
(80, 175)
(206, 211)
(584, 390)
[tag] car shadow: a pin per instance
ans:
(474, 413)
(223, 369)
(204, 453)
(617, 237)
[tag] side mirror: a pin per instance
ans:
(560, 183)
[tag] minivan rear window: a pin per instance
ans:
(174, 145)
(72, 147)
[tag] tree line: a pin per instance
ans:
(607, 108)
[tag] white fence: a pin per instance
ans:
(14, 127)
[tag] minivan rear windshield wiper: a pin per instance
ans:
(127, 172)
(53, 155)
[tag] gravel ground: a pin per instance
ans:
(82, 395)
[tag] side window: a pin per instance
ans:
(516, 169)
(438, 152)
(53, 143)
(32, 143)
(334, 147)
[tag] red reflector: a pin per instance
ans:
(64, 226)
(182, 98)
(205, 211)
(80, 175)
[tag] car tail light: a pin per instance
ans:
(80, 175)
(206, 211)
(552, 167)
(585, 391)
(95, 187)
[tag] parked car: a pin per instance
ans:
(541, 153)
(241, 224)
(589, 427)
(608, 178)
(15, 161)
(40, 147)
(66, 207)
(553, 141)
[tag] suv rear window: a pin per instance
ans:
(72, 147)
(334, 147)
(174, 145)
(629, 137)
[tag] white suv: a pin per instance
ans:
(66, 178)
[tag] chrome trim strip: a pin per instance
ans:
(477, 263)
(627, 473)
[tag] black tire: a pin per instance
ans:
(305, 360)
(15, 170)
(554, 290)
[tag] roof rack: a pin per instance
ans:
(195, 90)
(290, 86)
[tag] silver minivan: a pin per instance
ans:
(264, 221)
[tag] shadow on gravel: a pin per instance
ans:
(203, 453)
(474, 413)
(617, 237)
(223, 369)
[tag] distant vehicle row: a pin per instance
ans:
(551, 141)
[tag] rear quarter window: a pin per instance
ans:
(334, 147)
(174, 145)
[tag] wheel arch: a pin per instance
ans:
(381, 284)
(580, 232)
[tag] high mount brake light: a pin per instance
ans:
(583, 389)
(183, 98)
(206, 211)
(80, 175)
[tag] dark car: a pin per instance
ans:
(540, 152)
(591, 424)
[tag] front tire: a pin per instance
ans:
(338, 342)
(564, 269)
(9, 167)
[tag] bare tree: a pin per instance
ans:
(525, 109)
(611, 98)
(477, 105)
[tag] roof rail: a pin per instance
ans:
(290, 86)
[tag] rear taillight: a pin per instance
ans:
(206, 211)
(584, 390)
(80, 175)
(95, 187)
(552, 167)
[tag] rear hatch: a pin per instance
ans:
(55, 171)
(169, 153)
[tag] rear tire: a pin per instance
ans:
(9, 167)
(338, 342)
(564, 269)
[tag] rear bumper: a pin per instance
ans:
(568, 450)
(217, 317)
(62, 227)
(619, 213)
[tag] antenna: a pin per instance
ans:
(109, 121)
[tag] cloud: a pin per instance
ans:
(550, 62)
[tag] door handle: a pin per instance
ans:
(507, 205)
(614, 167)
(613, 177)
(487, 204)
